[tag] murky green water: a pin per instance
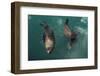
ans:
(36, 50)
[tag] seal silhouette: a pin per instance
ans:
(48, 37)
(71, 35)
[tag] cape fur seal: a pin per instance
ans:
(69, 34)
(48, 37)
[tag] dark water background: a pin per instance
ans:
(36, 50)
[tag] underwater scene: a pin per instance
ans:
(57, 37)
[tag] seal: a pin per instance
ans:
(68, 33)
(48, 37)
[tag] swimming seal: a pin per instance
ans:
(68, 33)
(48, 37)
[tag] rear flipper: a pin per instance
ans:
(44, 24)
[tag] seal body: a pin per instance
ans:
(72, 36)
(48, 38)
